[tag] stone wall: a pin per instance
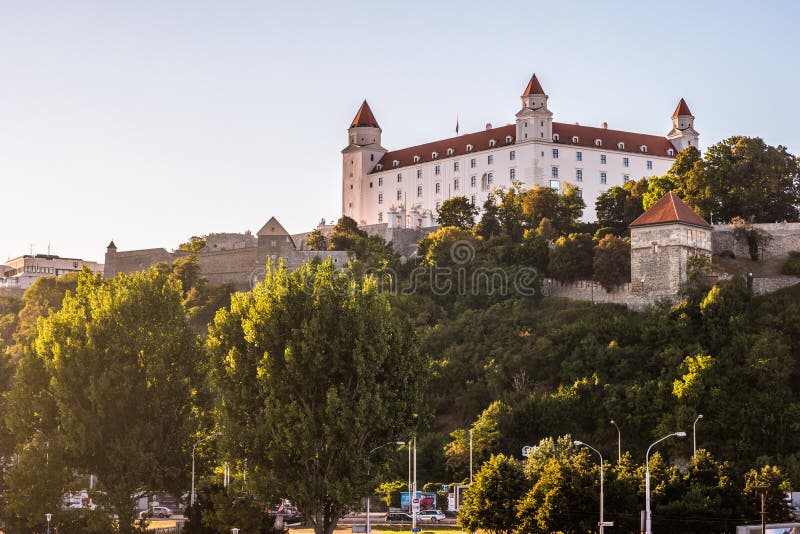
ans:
(785, 237)
(404, 240)
(762, 286)
(132, 261)
(589, 291)
(228, 241)
(659, 254)
(230, 266)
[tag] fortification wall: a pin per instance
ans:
(228, 241)
(590, 291)
(762, 286)
(230, 266)
(132, 261)
(785, 237)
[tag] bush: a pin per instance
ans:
(792, 265)
(612, 262)
(571, 258)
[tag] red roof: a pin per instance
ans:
(682, 109)
(670, 209)
(586, 135)
(534, 87)
(364, 117)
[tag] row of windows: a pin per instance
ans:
(626, 162)
(579, 175)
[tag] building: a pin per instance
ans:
(22, 272)
(404, 188)
(228, 258)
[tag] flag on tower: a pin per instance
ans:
(456, 124)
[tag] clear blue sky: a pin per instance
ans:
(148, 122)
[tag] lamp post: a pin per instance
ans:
(619, 442)
(470, 453)
(694, 436)
(647, 517)
(234, 530)
(201, 440)
(399, 443)
(602, 523)
(48, 517)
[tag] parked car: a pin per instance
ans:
(398, 517)
(432, 516)
(155, 511)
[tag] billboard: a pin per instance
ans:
(427, 501)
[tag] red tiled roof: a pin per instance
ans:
(364, 117)
(534, 87)
(682, 109)
(670, 209)
(656, 145)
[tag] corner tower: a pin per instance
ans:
(359, 158)
(683, 134)
(534, 120)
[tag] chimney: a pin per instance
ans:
(488, 125)
(604, 126)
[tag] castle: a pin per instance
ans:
(404, 188)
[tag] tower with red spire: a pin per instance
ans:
(359, 158)
(534, 120)
(683, 134)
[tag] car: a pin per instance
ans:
(398, 517)
(432, 516)
(155, 511)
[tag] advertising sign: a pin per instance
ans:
(427, 501)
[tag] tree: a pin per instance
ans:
(313, 371)
(571, 258)
(618, 207)
(445, 246)
(317, 241)
(345, 234)
(489, 225)
(121, 359)
(491, 502)
(562, 209)
(457, 211)
(776, 487)
(195, 244)
(612, 262)
(485, 436)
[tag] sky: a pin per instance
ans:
(152, 121)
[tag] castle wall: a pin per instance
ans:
(132, 261)
(587, 290)
(230, 266)
(659, 254)
(785, 238)
(228, 241)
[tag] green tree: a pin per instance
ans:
(571, 258)
(317, 241)
(485, 437)
(776, 484)
(345, 234)
(122, 361)
(612, 262)
(457, 211)
(313, 371)
(489, 226)
(490, 503)
(618, 207)
(195, 244)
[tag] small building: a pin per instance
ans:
(22, 272)
(663, 239)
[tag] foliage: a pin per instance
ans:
(390, 492)
(612, 262)
(562, 209)
(195, 244)
(792, 265)
(458, 212)
(756, 239)
(317, 241)
(485, 437)
(490, 503)
(313, 371)
(345, 234)
(618, 207)
(571, 258)
(217, 510)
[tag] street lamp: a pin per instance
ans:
(201, 440)
(234, 530)
(602, 523)
(48, 517)
(647, 519)
(398, 443)
(619, 442)
(470, 453)
(694, 436)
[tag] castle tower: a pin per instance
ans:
(663, 238)
(534, 120)
(359, 158)
(274, 242)
(683, 134)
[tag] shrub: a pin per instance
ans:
(792, 265)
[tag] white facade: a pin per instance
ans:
(406, 187)
(22, 272)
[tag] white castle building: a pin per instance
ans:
(405, 187)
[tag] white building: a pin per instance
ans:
(22, 272)
(405, 187)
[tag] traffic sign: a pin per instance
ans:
(415, 506)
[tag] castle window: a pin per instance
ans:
(603, 178)
(654, 247)
(395, 163)
(380, 181)
(621, 146)
(512, 155)
(419, 173)
(555, 137)
(456, 166)
(416, 159)
(380, 198)
(399, 195)
(437, 170)
(526, 124)
(580, 193)
(380, 219)
(626, 177)
(555, 153)
(380, 166)
(473, 163)
(399, 177)
(438, 205)
(438, 188)
(625, 162)
(370, 185)
(579, 156)
(670, 152)
(555, 185)
(492, 142)
(554, 172)
(578, 175)
(489, 178)
(508, 139)
(602, 159)
(455, 184)
(649, 165)
(490, 159)
(598, 142)
(273, 243)
(541, 123)
(472, 200)
(372, 157)
(473, 181)
(643, 148)
(450, 151)
(512, 174)
(469, 148)
(419, 190)
(575, 139)
(351, 186)
(434, 155)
